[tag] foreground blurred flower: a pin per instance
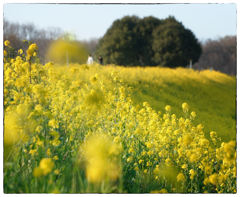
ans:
(37, 172)
(100, 162)
(213, 179)
(14, 130)
(44, 168)
(46, 164)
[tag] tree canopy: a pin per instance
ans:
(119, 44)
(174, 45)
(132, 41)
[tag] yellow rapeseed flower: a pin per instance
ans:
(93, 79)
(48, 151)
(136, 168)
(140, 161)
(193, 114)
(94, 98)
(222, 178)
(46, 164)
(185, 107)
(37, 172)
(31, 49)
(130, 159)
(33, 46)
(100, 165)
(163, 191)
(207, 169)
(193, 158)
(113, 73)
(229, 150)
(184, 166)
(213, 179)
(33, 152)
(213, 134)
(156, 171)
(57, 171)
(192, 173)
(56, 142)
(159, 191)
(7, 43)
(168, 162)
(168, 108)
(187, 139)
(131, 150)
(55, 157)
(206, 181)
(181, 177)
(20, 51)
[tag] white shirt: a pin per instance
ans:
(90, 60)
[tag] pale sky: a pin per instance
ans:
(86, 21)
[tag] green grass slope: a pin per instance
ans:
(212, 95)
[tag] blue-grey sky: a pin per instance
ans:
(86, 21)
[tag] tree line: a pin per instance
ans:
(219, 55)
(16, 33)
(132, 41)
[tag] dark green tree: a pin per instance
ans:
(128, 42)
(131, 41)
(119, 45)
(174, 45)
(144, 32)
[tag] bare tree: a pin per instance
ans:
(15, 33)
(219, 55)
(91, 45)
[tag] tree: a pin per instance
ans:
(91, 45)
(15, 33)
(128, 42)
(219, 55)
(144, 31)
(174, 45)
(120, 44)
(132, 41)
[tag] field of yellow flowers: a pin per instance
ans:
(211, 94)
(81, 129)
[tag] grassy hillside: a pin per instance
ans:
(212, 95)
